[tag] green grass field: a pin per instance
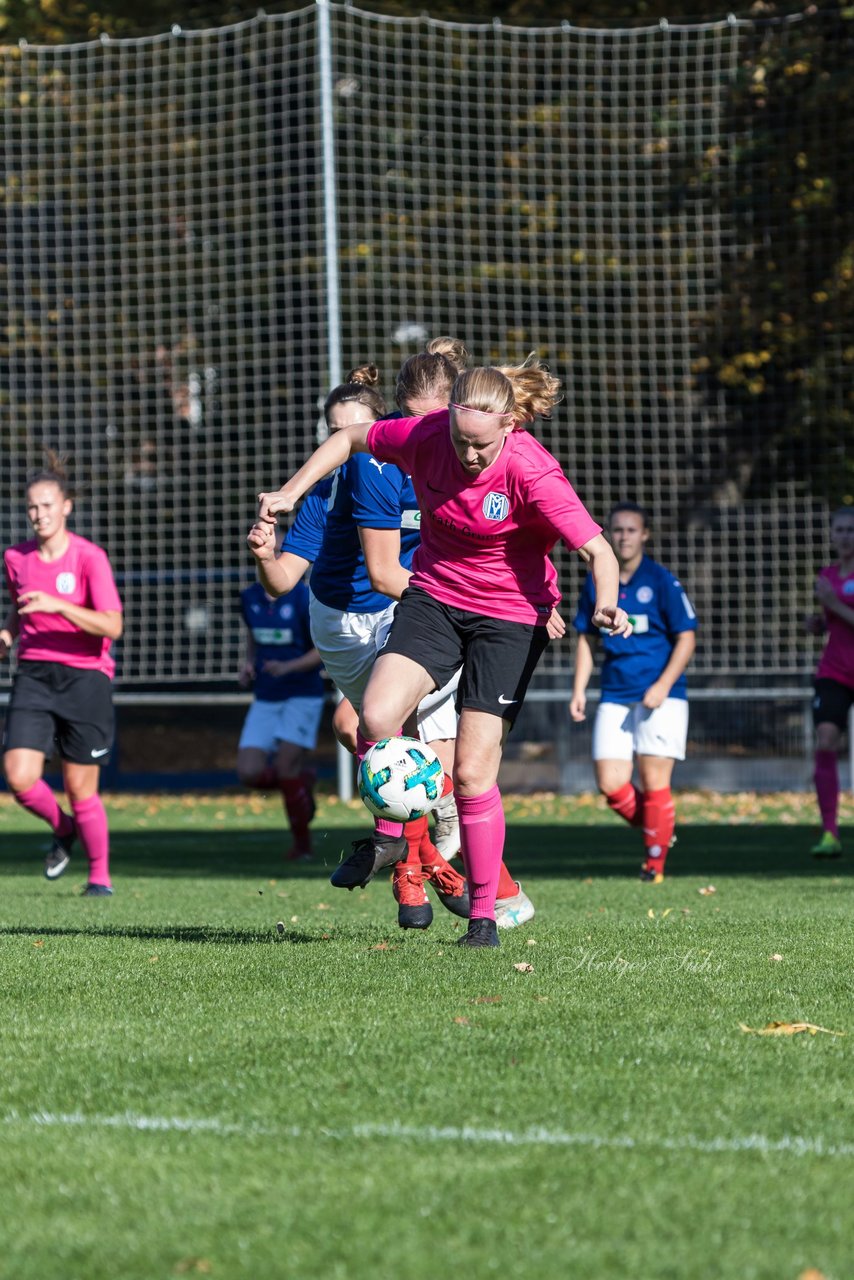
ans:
(186, 1092)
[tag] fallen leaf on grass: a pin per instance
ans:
(707, 889)
(201, 1266)
(39, 942)
(382, 946)
(462, 1022)
(153, 959)
(524, 968)
(294, 919)
(541, 999)
(775, 957)
(788, 1029)
(532, 942)
(487, 1000)
(812, 1273)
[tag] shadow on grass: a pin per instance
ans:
(163, 933)
(555, 851)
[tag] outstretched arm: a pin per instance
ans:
(333, 453)
(600, 558)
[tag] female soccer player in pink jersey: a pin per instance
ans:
(834, 679)
(493, 504)
(65, 613)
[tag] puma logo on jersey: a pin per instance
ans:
(379, 465)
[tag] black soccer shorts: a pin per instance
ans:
(498, 657)
(54, 705)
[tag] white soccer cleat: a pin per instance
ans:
(511, 912)
(446, 833)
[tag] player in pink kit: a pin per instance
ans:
(65, 613)
(493, 504)
(834, 679)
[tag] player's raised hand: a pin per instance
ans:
(271, 505)
(578, 707)
(613, 619)
(261, 540)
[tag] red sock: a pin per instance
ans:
(415, 832)
(827, 789)
(299, 806)
(659, 818)
(91, 820)
(40, 800)
(628, 803)
(507, 886)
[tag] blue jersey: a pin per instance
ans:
(370, 495)
(280, 630)
(659, 610)
(306, 534)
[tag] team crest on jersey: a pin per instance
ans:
(496, 506)
(65, 583)
(644, 595)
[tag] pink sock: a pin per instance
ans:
(92, 830)
(627, 801)
(827, 790)
(482, 838)
(41, 801)
(384, 826)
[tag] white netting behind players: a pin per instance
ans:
(527, 189)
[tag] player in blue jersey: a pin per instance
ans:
(282, 723)
(643, 712)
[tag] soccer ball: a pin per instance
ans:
(401, 779)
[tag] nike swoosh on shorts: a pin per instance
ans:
(506, 702)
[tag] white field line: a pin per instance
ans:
(536, 1137)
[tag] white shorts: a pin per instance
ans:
(295, 720)
(622, 731)
(347, 643)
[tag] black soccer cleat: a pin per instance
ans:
(370, 855)
(97, 891)
(481, 933)
(59, 855)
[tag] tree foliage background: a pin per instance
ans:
(772, 368)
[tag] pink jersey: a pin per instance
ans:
(837, 661)
(84, 577)
(485, 539)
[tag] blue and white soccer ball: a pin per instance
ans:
(401, 779)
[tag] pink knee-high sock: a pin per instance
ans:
(384, 826)
(91, 820)
(627, 801)
(482, 838)
(40, 800)
(827, 790)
